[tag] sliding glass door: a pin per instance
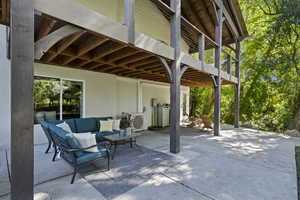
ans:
(56, 99)
(72, 99)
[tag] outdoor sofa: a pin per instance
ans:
(67, 146)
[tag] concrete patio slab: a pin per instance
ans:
(161, 187)
(239, 164)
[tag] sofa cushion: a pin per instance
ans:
(86, 125)
(106, 126)
(98, 119)
(87, 156)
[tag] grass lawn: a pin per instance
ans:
(297, 156)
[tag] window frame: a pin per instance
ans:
(61, 79)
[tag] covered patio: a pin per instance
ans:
(259, 165)
(66, 34)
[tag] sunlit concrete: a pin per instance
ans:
(239, 164)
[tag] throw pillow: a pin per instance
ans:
(106, 126)
(86, 140)
(74, 143)
(116, 124)
(65, 127)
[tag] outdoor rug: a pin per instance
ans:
(130, 168)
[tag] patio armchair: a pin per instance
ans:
(71, 152)
(78, 125)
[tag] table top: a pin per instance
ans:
(119, 137)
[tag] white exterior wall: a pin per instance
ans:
(104, 94)
(109, 95)
(5, 92)
(148, 18)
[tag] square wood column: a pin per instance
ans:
(175, 79)
(22, 44)
(217, 91)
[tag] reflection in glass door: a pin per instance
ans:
(56, 99)
(72, 99)
(46, 99)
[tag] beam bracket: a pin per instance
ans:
(45, 43)
(167, 67)
(214, 80)
(183, 69)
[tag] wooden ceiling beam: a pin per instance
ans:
(114, 65)
(4, 10)
(84, 48)
(142, 63)
(122, 54)
(190, 13)
(46, 26)
(63, 45)
(104, 51)
(134, 59)
(151, 66)
(98, 65)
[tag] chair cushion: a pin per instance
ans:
(87, 140)
(65, 127)
(74, 143)
(88, 156)
(86, 125)
(70, 122)
(56, 130)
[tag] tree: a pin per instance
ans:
(270, 69)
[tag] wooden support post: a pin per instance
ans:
(218, 39)
(129, 19)
(201, 47)
(228, 64)
(237, 87)
(22, 44)
(175, 83)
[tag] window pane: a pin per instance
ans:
(72, 99)
(46, 99)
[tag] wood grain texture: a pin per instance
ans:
(22, 26)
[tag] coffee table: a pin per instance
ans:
(117, 139)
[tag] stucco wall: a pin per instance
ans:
(148, 18)
(104, 94)
(108, 95)
(5, 92)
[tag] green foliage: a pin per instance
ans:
(270, 69)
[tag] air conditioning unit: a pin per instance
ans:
(138, 121)
(163, 116)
